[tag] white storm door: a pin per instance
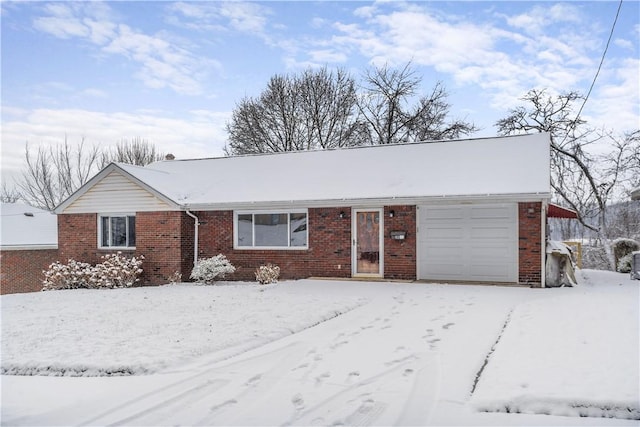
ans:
(367, 235)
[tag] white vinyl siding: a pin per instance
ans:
(271, 229)
(117, 193)
(468, 242)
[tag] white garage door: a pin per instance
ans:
(468, 242)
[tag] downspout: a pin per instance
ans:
(195, 236)
(543, 249)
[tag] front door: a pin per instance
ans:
(367, 234)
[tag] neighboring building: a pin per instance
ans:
(468, 210)
(28, 245)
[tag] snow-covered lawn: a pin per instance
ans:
(379, 354)
(575, 354)
(142, 330)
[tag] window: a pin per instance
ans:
(117, 231)
(271, 229)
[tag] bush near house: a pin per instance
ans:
(208, 270)
(624, 264)
(623, 247)
(266, 274)
(116, 271)
(595, 257)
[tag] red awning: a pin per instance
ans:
(555, 211)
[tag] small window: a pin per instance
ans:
(117, 231)
(273, 230)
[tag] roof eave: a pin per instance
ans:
(370, 202)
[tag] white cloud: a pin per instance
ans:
(244, 17)
(201, 134)
(162, 63)
(537, 18)
(94, 93)
(324, 56)
(552, 46)
(318, 22)
(504, 61)
(615, 103)
(623, 43)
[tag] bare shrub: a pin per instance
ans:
(266, 274)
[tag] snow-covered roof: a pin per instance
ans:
(504, 166)
(26, 227)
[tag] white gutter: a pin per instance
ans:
(366, 202)
(543, 249)
(28, 247)
(195, 237)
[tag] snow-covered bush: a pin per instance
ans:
(595, 258)
(622, 247)
(175, 277)
(266, 274)
(73, 275)
(117, 271)
(624, 264)
(208, 270)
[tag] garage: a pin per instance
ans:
(472, 242)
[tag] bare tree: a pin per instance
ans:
(584, 179)
(9, 195)
(311, 110)
(328, 101)
(54, 173)
(385, 107)
(321, 109)
(137, 151)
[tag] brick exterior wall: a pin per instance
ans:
(164, 238)
(166, 241)
(78, 238)
(400, 255)
(329, 253)
(530, 243)
(21, 270)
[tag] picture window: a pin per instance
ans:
(274, 230)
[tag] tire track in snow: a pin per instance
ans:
(158, 406)
(365, 402)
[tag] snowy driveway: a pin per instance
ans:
(410, 356)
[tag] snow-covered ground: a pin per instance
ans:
(379, 354)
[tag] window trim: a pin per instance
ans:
(115, 215)
(287, 212)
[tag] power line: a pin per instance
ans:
(601, 61)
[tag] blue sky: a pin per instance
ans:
(172, 72)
